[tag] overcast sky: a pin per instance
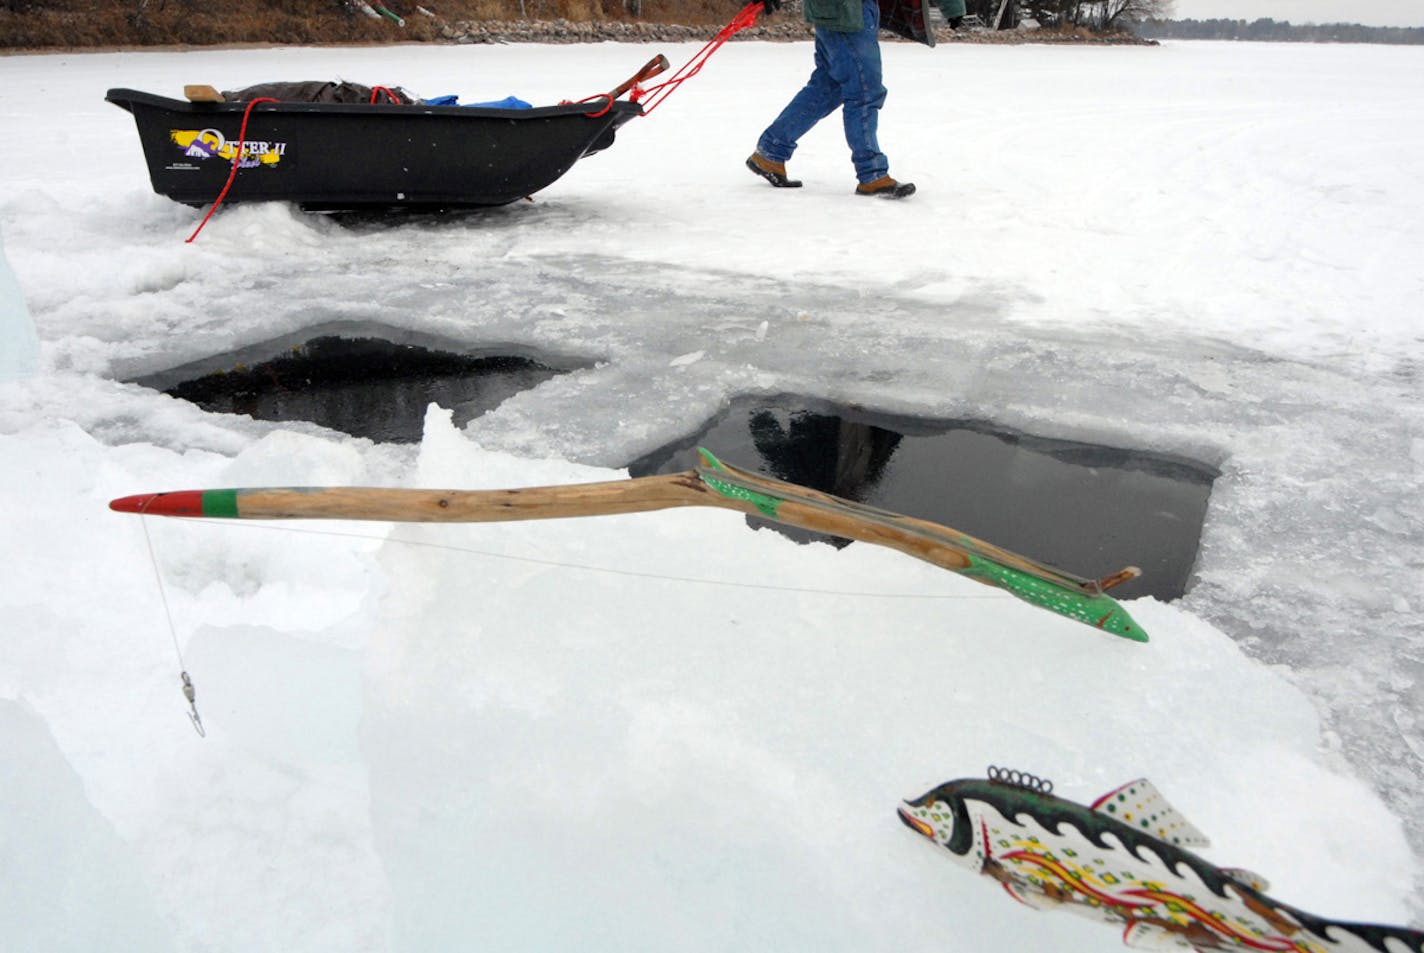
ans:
(1370, 12)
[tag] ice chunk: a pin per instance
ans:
(19, 345)
(75, 885)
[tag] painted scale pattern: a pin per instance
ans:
(768, 505)
(1121, 891)
(1099, 611)
(1049, 853)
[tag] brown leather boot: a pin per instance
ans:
(886, 188)
(773, 172)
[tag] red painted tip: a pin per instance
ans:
(182, 503)
(132, 504)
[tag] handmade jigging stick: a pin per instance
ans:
(713, 484)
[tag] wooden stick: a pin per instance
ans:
(653, 67)
(1118, 578)
(202, 94)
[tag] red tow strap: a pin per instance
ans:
(653, 96)
(607, 106)
(236, 162)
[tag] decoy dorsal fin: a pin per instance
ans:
(1139, 804)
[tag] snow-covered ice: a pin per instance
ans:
(665, 731)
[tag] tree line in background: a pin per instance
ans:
(1268, 30)
(692, 12)
(198, 20)
(1099, 16)
(697, 10)
(1005, 14)
(51, 24)
(78, 23)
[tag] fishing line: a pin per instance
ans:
(584, 567)
(189, 692)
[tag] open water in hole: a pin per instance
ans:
(1086, 509)
(363, 385)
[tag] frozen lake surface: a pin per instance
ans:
(664, 731)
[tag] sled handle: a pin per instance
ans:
(653, 67)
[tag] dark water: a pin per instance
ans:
(1087, 509)
(364, 386)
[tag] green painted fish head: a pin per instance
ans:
(1118, 622)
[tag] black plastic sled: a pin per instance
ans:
(337, 156)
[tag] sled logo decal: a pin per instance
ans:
(205, 144)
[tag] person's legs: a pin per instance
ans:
(854, 63)
(847, 74)
(817, 99)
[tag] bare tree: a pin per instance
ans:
(1107, 15)
(1100, 15)
(1119, 13)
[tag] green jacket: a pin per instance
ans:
(845, 16)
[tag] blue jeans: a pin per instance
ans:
(847, 76)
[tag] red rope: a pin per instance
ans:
(236, 161)
(745, 17)
(607, 106)
(389, 95)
